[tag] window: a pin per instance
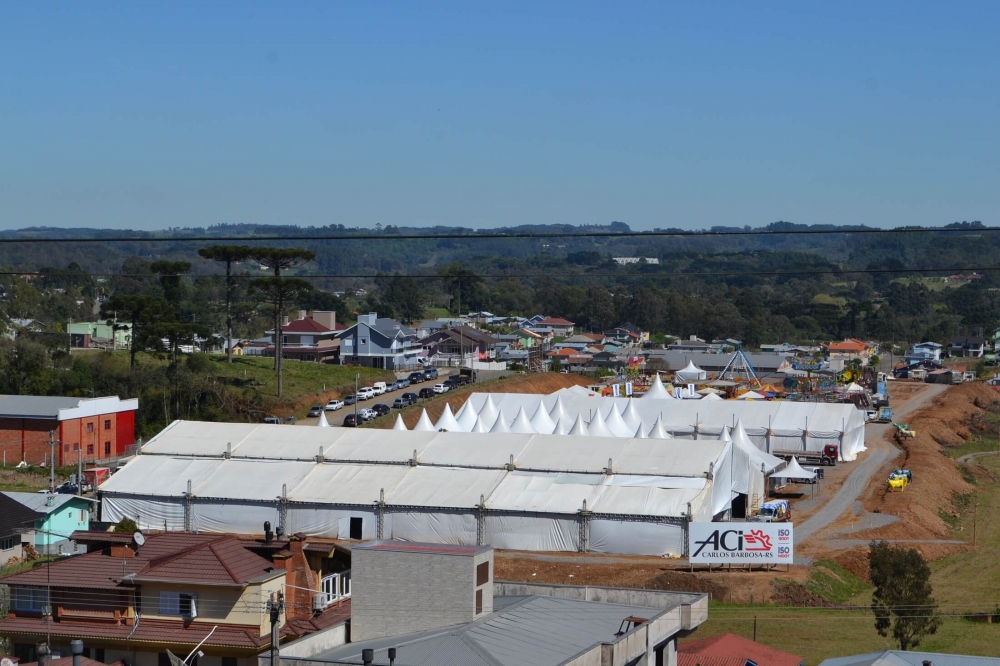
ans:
(66, 447)
(98, 654)
(76, 446)
(364, 341)
(90, 427)
(90, 449)
(483, 574)
(7, 544)
(107, 448)
(479, 602)
(356, 531)
(32, 599)
(229, 661)
(178, 603)
(162, 659)
(84, 515)
(107, 424)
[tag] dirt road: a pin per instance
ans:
(880, 452)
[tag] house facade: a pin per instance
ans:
(923, 351)
(458, 341)
(59, 516)
(560, 327)
(99, 334)
(849, 350)
(16, 529)
(379, 342)
(967, 347)
(311, 337)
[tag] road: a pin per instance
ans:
(880, 451)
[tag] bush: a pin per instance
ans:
(126, 525)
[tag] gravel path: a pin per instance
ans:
(880, 452)
(972, 456)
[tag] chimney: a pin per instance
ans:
(928, 662)
(303, 314)
(284, 320)
(298, 600)
(367, 656)
(325, 318)
(76, 648)
(42, 651)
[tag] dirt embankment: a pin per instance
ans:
(937, 479)
(543, 383)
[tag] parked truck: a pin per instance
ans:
(828, 456)
(884, 415)
(775, 511)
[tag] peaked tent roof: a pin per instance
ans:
(657, 390)
(793, 470)
(541, 421)
(321, 421)
(424, 423)
(447, 420)
(521, 423)
(399, 425)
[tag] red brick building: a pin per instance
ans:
(91, 428)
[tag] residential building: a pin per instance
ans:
(17, 529)
(88, 429)
(627, 334)
(99, 334)
(910, 658)
(577, 342)
(309, 338)
(967, 346)
(430, 327)
(438, 604)
(135, 600)
(849, 350)
(59, 517)
(560, 327)
(626, 261)
(695, 345)
(923, 351)
(462, 340)
(529, 337)
(379, 342)
(732, 650)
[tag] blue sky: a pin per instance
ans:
(143, 115)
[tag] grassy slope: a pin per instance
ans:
(301, 378)
(964, 583)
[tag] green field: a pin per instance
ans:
(964, 584)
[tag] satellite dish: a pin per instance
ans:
(139, 540)
(6, 662)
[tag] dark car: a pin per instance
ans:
(416, 377)
(400, 403)
(451, 384)
(350, 421)
(315, 411)
(381, 408)
(411, 397)
(427, 392)
(430, 373)
(351, 399)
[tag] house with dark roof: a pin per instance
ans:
(967, 346)
(379, 342)
(311, 337)
(17, 528)
(459, 341)
(59, 516)
(732, 650)
(134, 600)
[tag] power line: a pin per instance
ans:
(496, 235)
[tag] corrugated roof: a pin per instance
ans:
(900, 658)
(15, 516)
(731, 646)
(38, 406)
(39, 501)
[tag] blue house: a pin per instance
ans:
(379, 342)
(923, 351)
(60, 516)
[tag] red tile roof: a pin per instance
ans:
(221, 560)
(730, 646)
(332, 616)
(307, 325)
(555, 321)
(68, 661)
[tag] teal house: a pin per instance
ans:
(61, 516)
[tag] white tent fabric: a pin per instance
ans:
(447, 420)
(656, 390)
(631, 416)
(541, 421)
(708, 390)
(751, 395)
(639, 432)
(758, 459)
(321, 422)
(616, 424)
(467, 416)
(711, 396)
(424, 423)
(597, 427)
(521, 424)
(480, 426)
(500, 425)
(558, 409)
(657, 431)
(794, 471)
(560, 428)
(691, 373)
(399, 425)
(579, 428)
(854, 388)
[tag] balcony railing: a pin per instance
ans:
(336, 586)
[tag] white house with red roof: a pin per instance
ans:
(560, 327)
(311, 337)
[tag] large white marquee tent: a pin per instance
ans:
(515, 490)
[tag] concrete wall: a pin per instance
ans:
(396, 593)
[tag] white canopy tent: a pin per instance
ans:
(691, 373)
(792, 471)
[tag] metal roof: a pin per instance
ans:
(525, 631)
(26, 406)
(39, 501)
(901, 658)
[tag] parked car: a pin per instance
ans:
(441, 388)
(449, 384)
(405, 383)
(367, 414)
(427, 392)
(366, 393)
(430, 373)
(381, 409)
(290, 419)
(351, 399)
(334, 405)
(396, 385)
(378, 388)
(315, 411)
(350, 421)
(411, 398)
(416, 377)
(273, 420)
(400, 403)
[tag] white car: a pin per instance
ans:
(366, 393)
(379, 388)
(334, 405)
(440, 388)
(367, 414)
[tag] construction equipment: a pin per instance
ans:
(828, 456)
(775, 511)
(884, 415)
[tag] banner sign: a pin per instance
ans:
(807, 364)
(740, 543)
(628, 388)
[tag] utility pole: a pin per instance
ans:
(275, 606)
(52, 461)
(357, 378)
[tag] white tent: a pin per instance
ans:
(616, 424)
(447, 420)
(656, 390)
(656, 431)
(399, 425)
(499, 425)
(691, 373)
(751, 395)
(521, 424)
(631, 416)
(597, 427)
(708, 390)
(710, 397)
(793, 470)
(467, 416)
(854, 388)
(424, 423)
(480, 426)
(561, 428)
(541, 421)
(321, 422)
(579, 428)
